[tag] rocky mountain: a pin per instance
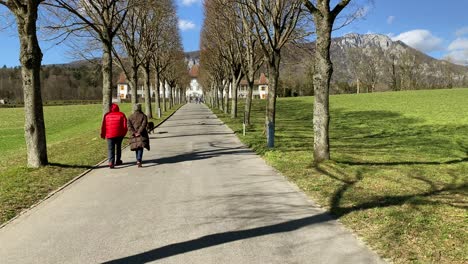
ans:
(374, 62)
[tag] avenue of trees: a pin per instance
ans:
(237, 33)
(239, 37)
(140, 37)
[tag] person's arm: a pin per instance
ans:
(130, 126)
(143, 124)
(125, 128)
(103, 127)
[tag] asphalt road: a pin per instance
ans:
(201, 197)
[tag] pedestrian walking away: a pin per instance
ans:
(114, 128)
(139, 140)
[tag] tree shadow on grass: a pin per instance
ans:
(75, 166)
(385, 200)
(359, 137)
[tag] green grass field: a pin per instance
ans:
(73, 144)
(399, 170)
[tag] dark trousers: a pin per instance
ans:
(139, 154)
(114, 149)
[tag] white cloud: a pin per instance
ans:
(458, 44)
(190, 2)
(458, 57)
(186, 25)
(458, 51)
(390, 19)
(420, 39)
(461, 31)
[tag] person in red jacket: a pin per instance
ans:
(114, 128)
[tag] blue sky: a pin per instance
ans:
(438, 28)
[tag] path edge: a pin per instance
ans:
(76, 178)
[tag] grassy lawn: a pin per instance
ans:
(399, 170)
(73, 145)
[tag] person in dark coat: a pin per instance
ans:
(137, 127)
(114, 128)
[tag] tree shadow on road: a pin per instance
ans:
(220, 238)
(193, 135)
(199, 155)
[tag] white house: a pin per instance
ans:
(260, 88)
(195, 89)
(123, 89)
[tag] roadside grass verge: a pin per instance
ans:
(399, 170)
(73, 145)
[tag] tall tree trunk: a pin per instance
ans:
(30, 58)
(273, 69)
(220, 89)
(158, 95)
(236, 77)
(358, 86)
(248, 101)
(322, 76)
(226, 97)
(180, 95)
(215, 95)
(134, 86)
(171, 96)
(147, 85)
(164, 96)
(106, 76)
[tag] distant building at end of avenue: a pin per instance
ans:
(195, 90)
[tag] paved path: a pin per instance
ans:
(201, 197)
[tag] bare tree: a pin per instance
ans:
(211, 65)
(164, 28)
(365, 65)
(275, 22)
(26, 12)
(252, 57)
(131, 39)
(102, 19)
(176, 70)
(391, 62)
(222, 28)
(408, 70)
(324, 18)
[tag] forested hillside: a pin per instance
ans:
(59, 82)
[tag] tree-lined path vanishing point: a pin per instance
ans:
(201, 197)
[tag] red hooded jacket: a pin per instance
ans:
(114, 123)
